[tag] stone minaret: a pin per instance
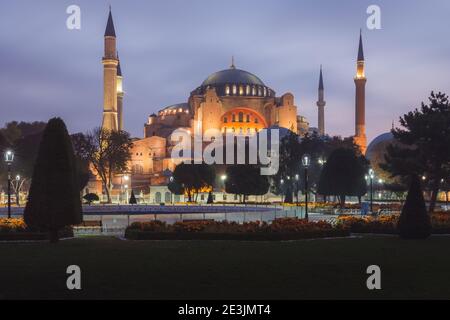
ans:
(321, 106)
(110, 63)
(119, 97)
(360, 100)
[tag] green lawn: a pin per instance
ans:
(227, 270)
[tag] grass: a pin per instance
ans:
(318, 269)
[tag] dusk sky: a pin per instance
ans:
(167, 48)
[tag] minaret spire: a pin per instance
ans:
(360, 48)
(120, 95)
(321, 105)
(360, 99)
(110, 78)
(321, 79)
(110, 30)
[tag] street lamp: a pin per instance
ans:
(9, 158)
(223, 177)
(306, 161)
(126, 188)
(370, 177)
(17, 189)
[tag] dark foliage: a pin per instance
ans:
(194, 177)
(91, 197)
(246, 180)
(414, 222)
(343, 175)
(423, 146)
(132, 198)
(54, 199)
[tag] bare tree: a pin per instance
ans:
(108, 153)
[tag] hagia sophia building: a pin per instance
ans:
(230, 100)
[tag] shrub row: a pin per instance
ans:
(280, 229)
(16, 229)
(387, 224)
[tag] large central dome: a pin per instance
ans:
(232, 76)
(235, 82)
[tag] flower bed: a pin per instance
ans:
(16, 229)
(387, 224)
(381, 224)
(280, 229)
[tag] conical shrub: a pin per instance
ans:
(414, 222)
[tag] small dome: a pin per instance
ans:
(179, 107)
(232, 75)
(379, 144)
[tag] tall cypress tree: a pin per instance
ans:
(414, 222)
(54, 199)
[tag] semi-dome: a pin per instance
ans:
(231, 76)
(175, 108)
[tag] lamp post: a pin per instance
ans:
(306, 160)
(17, 189)
(297, 178)
(282, 191)
(126, 178)
(9, 157)
(371, 176)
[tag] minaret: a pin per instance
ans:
(321, 106)
(119, 96)
(110, 63)
(360, 100)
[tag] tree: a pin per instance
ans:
(343, 175)
(54, 198)
(91, 197)
(108, 152)
(132, 198)
(175, 187)
(292, 149)
(414, 222)
(210, 198)
(246, 180)
(194, 177)
(423, 147)
(24, 138)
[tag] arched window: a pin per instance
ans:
(247, 90)
(167, 197)
(137, 169)
(227, 90)
(234, 89)
(225, 120)
(259, 91)
(241, 117)
(265, 91)
(253, 91)
(233, 118)
(256, 120)
(241, 90)
(248, 118)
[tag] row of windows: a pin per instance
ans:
(173, 111)
(241, 130)
(150, 154)
(247, 90)
(240, 118)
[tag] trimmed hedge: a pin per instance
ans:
(280, 229)
(144, 235)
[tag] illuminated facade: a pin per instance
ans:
(230, 101)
